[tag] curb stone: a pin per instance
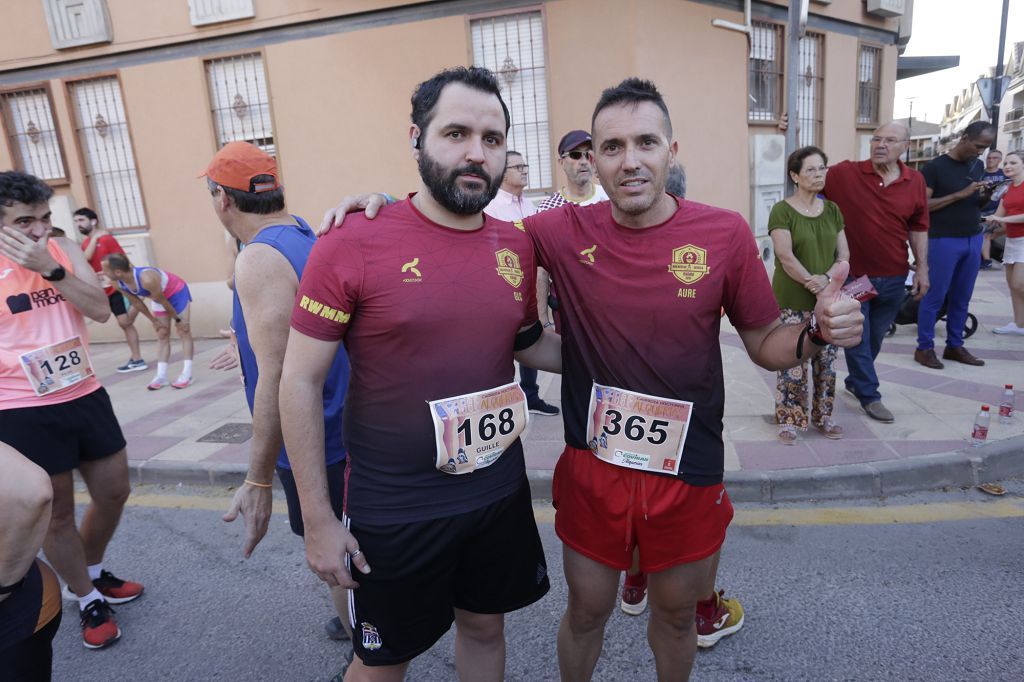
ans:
(967, 467)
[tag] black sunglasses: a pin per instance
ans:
(576, 155)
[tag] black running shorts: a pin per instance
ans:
(117, 304)
(486, 561)
(58, 437)
(335, 486)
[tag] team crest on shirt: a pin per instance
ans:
(689, 264)
(508, 267)
(519, 225)
(371, 638)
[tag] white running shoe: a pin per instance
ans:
(1010, 328)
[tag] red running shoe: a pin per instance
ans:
(115, 590)
(99, 629)
(634, 594)
(716, 618)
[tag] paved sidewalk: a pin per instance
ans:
(926, 447)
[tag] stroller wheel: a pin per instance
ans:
(892, 330)
(970, 326)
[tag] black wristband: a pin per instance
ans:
(528, 336)
(814, 332)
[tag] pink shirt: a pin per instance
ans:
(510, 208)
(34, 315)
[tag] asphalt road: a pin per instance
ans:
(926, 587)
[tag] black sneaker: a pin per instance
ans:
(99, 629)
(335, 630)
(541, 407)
(133, 366)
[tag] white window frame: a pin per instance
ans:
(512, 45)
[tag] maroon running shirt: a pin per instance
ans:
(641, 311)
(424, 314)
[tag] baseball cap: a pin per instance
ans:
(571, 140)
(237, 163)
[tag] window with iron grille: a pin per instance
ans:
(241, 106)
(35, 144)
(512, 46)
(765, 76)
(869, 84)
(810, 89)
(102, 130)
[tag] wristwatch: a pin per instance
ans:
(55, 275)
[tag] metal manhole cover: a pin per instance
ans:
(229, 433)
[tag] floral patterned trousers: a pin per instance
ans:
(791, 391)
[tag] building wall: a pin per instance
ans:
(340, 102)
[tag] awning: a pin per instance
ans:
(908, 67)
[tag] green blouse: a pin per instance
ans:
(814, 245)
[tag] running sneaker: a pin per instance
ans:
(716, 618)
(335, 630)
(634, 594)
(157, 383)
(133, 366)
(540, 407)
(99, 629)
(1010, 328)
(113, 589)
(182, 382)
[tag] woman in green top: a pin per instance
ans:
(807, 233)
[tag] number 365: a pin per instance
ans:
(636, 427)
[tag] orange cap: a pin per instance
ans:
(237, 163)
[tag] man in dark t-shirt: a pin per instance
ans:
(956, 194)
(432, 302)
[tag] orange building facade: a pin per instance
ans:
(120, 103)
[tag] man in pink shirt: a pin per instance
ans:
(52, 408)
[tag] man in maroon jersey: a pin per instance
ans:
(433, 302)
(645, 277)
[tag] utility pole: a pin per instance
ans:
(997, 95)
(797, 26)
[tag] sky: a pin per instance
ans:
(969, 28)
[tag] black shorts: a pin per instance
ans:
(335, 486)
(486, 561)
(117, 305)
(58, 437)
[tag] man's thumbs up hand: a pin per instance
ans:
(840, 321)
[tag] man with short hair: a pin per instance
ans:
(642, 400)
(510, 205)
(249, 200)
(576, 158)
(885, 206)
(98, 244)
(52, 407)
(956, 193)
(433, 302)
(996, 178)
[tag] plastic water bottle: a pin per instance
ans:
(1006, 405)
(980, 432)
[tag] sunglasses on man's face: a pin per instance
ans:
(576, 155)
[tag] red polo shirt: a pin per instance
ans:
(878, 219)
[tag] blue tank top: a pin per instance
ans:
(295, 243)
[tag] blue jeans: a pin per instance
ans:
(879, 313)
(528, 382)
(953, 264)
